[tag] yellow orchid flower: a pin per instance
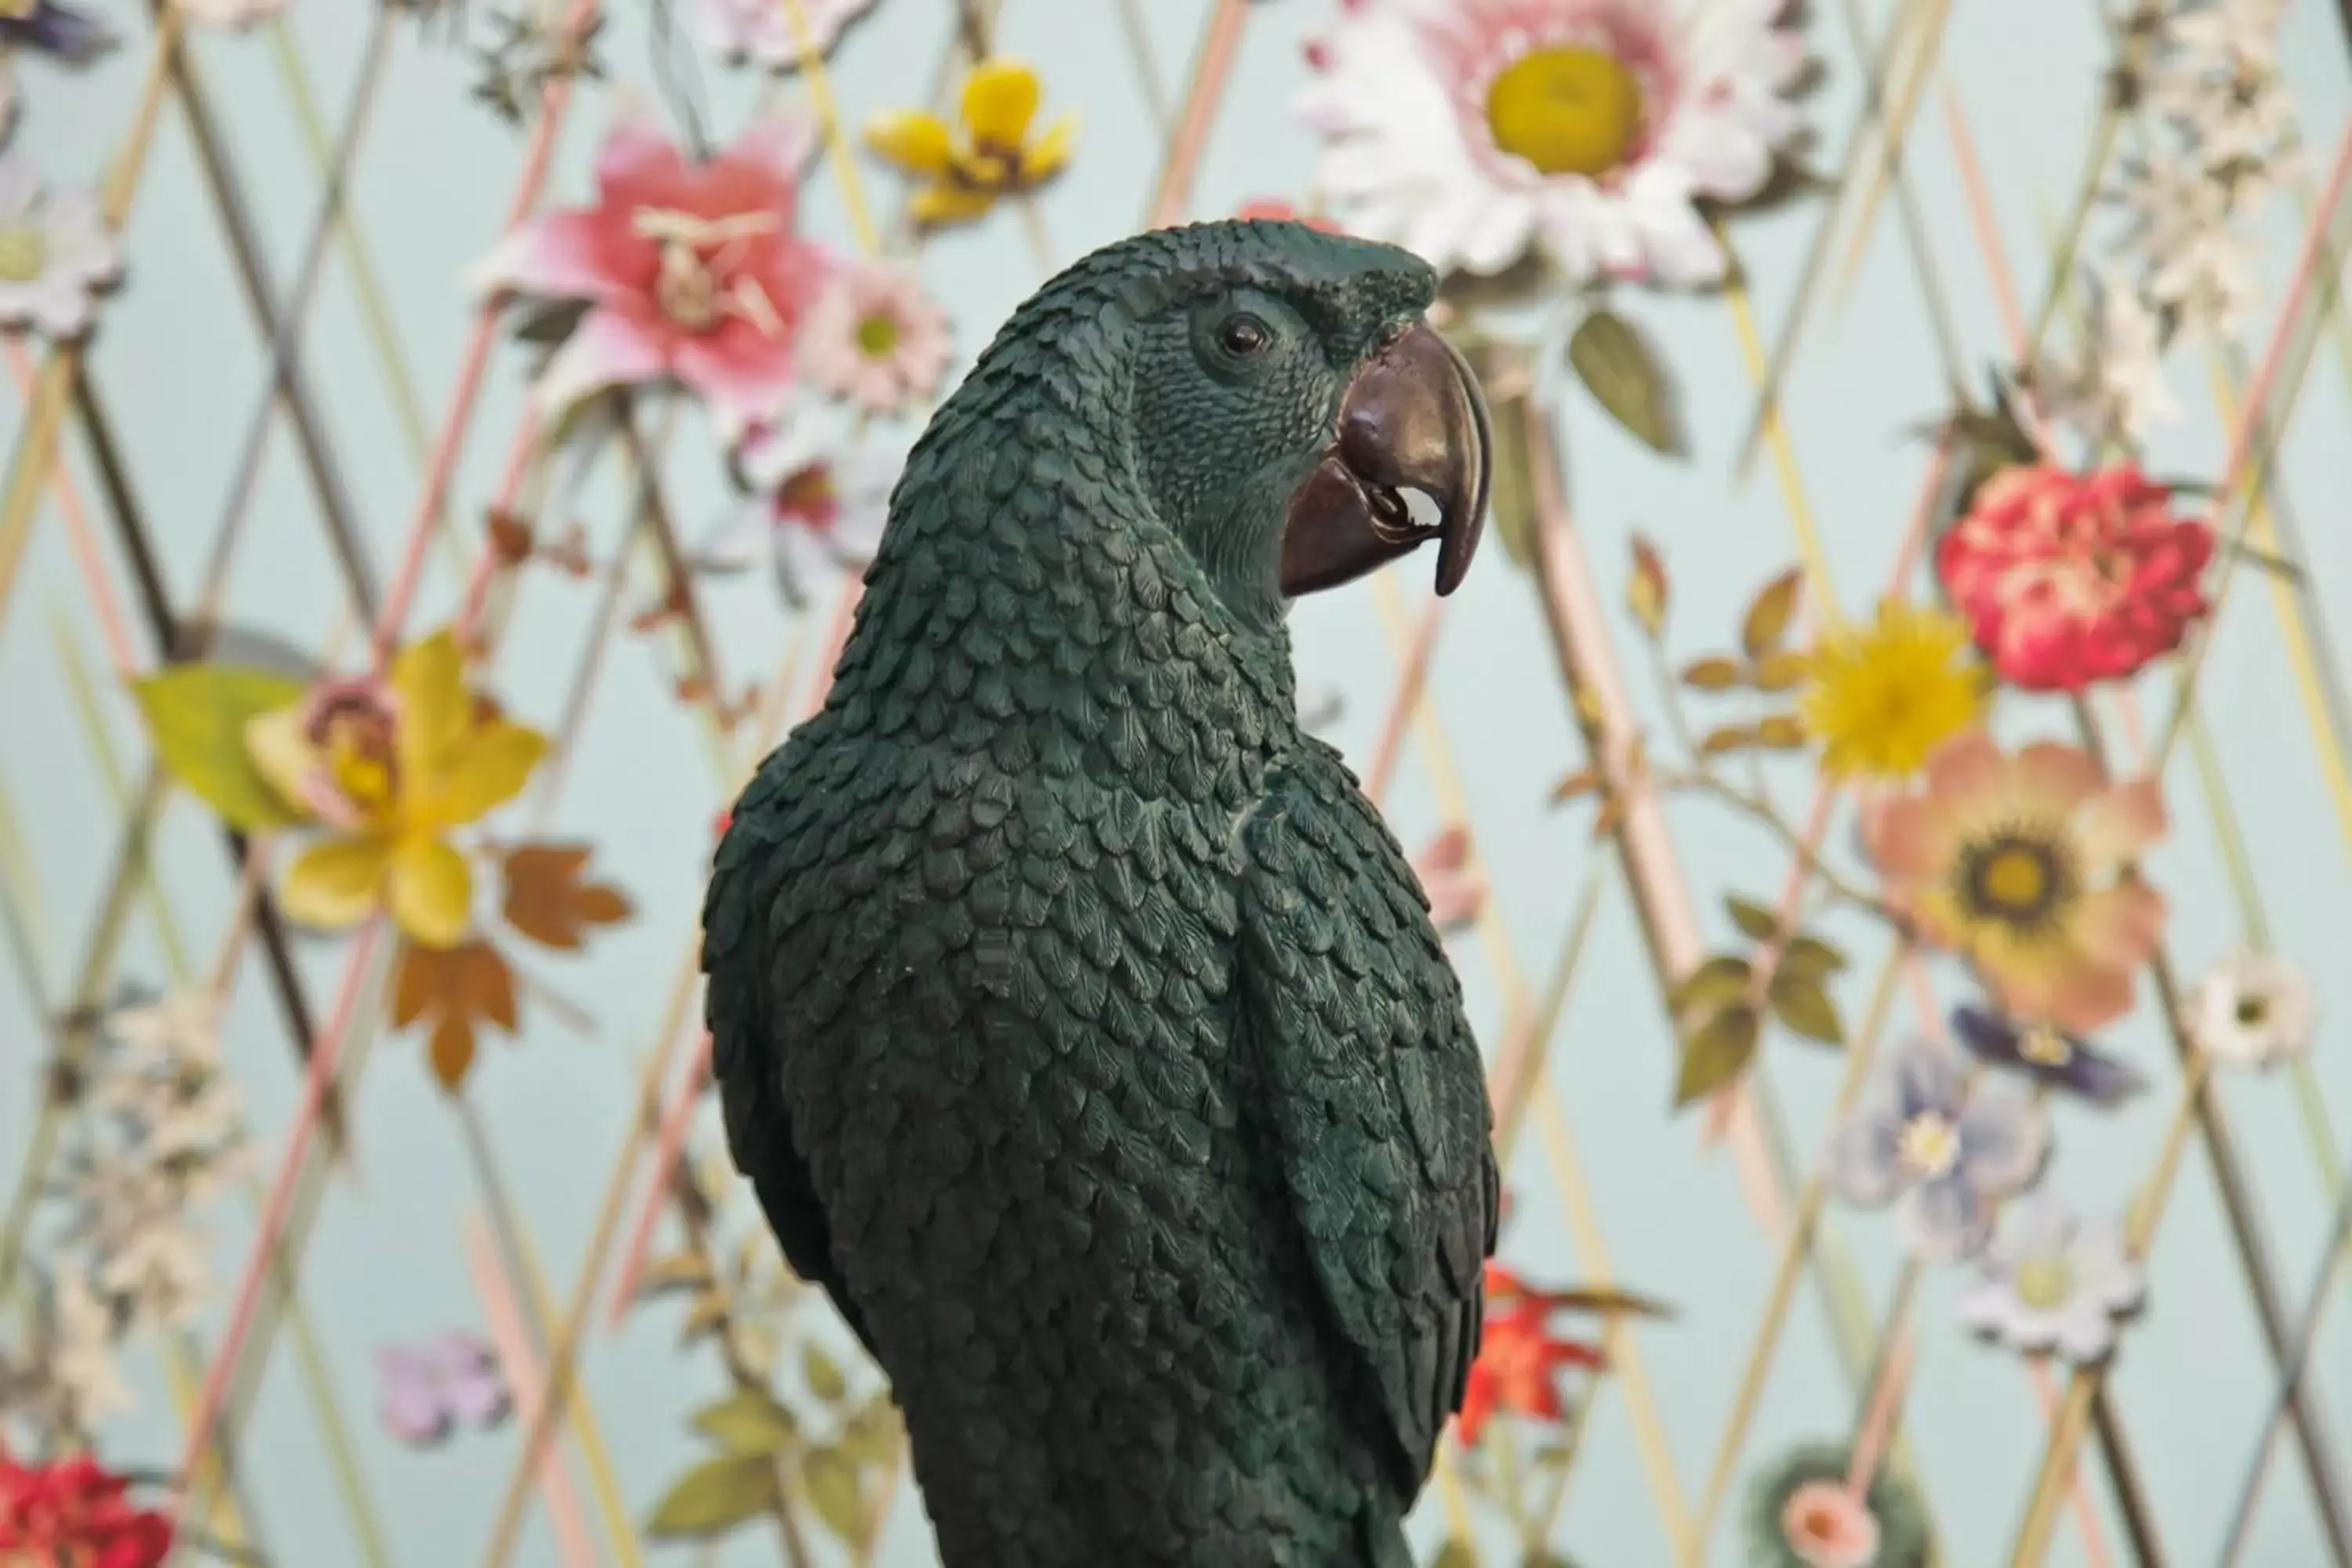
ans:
(390, 768)
(993, 156)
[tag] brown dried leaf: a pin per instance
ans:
(1729, 738)
(1780, 732)
(452, 1050)
(511, 536)
(1610, 818)
(708, 1311)
(1713, 673)
(457, 988)
(1782, 671)
(548, 902)
(688, 1270)
(1582, 782)
(1769, 615)
(1647, 592)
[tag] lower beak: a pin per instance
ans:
(1412, 420)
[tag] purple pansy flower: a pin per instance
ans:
(53, 27)
(1942, 1153)
(429, 1389)
(2047, 1055)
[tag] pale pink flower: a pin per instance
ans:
(1457, 892)
(692, 270)
(812, 515)
(1828, 1527)
(874, 338)
(761, 31)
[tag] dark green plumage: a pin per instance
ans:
(1079, 1022)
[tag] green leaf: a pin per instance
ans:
(1810, 957)
(1609, 1302)
(1755, 922)
(749, 1421)
(1803, 1005)
(1624, 375)
(825, 1379)
(1456, 1553)
(872, 1435)
(196, 714)
(1510, 484)
(1719, 982)
(1712, 674)
(1716, 1052)
(831, 1482)
(1768, 617)
(715, 1497)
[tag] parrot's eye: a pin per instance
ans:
(1244, 335)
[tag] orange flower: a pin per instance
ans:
(2019, 862)
(1519, 1357)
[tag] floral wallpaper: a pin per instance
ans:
(1886, 788)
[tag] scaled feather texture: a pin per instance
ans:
(1079, 1022)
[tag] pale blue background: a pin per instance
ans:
(179, 364)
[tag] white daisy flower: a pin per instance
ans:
(54, 249)
(1468, 130)
(2050, 1284)
(2254, 1010)
(2113, 381)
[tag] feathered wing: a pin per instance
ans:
(744, 1049)
(1373, 1091)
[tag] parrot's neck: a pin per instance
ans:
(1022, 586)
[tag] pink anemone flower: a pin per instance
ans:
(691, 271)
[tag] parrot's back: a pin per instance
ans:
(979, 1052)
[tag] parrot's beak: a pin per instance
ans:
(1412, 420)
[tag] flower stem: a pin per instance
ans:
(1755, 806)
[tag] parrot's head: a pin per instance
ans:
(1273, 396)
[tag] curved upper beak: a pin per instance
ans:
(1412, 420)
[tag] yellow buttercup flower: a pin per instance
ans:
(967, 167)
(390, 769)
(1881, 698)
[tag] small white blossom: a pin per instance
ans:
(2198, 264)
(2053, 1285)
(2254, 1010)
(2113, 383)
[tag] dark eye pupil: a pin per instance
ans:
(1244, 335)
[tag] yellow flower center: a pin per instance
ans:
(23, 252)
(1567, 109)
(1929, 1144)
(2044, 1284)
(2043, 1046)
(2022, 878)
(877, 335)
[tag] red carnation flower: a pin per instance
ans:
(2068, 579)
(76, 1512)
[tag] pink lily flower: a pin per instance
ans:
(692, 270)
